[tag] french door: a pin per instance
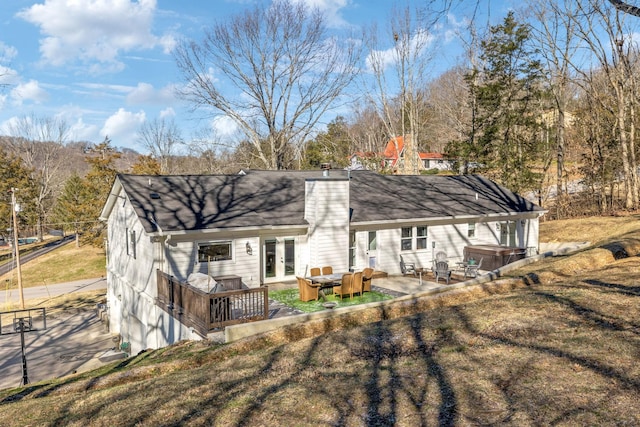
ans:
(279, 259)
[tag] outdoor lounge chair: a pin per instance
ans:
(472, 269)
(315, 271)
(307, 292)
(367, 275)
(344, 287)
(441, 271)
(407, 268)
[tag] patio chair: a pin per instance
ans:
(327, 270)
(441, 271)
(472, 269)
(407, 268)
(307, 292)
(441, 256)
(344, 287)
(367, 275)
(315, 271)
(356, 284)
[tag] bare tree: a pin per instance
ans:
(399, 77)
(40, 142)
(554, 32)
(161, 137)
(448, 96)
(273, 70)
(617, 61)
(625, 7)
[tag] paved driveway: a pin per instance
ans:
(72, 341)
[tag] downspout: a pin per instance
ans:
(162, 264)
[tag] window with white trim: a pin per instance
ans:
(471, 230)
(406, 240)
(215, 251)
(421, 237)
(413, 238)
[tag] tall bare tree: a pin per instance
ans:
(400, 75)
(273, 70)
(448, 96)
(161, 137)
(605, 31)
(40, 142)
(555, 34)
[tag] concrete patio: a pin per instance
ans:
(407, 286)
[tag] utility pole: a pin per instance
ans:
(15, 245)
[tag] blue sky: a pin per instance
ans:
(105, 66)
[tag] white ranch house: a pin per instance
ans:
(270, 226)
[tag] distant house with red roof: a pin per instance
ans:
(394, 158)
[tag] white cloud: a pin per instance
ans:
(331, 10)
(7, 125)
(121, 127)
(7, 53)
(30, 91)
(145, 93)
(8, 76)
(94, 30)
(455, 27)
(81, 131)
(167, 112)
(224, 126)
(417, 45)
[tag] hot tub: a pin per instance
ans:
(493, 256)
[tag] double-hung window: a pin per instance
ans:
(406, 241)
(411, 234)
(421, 237)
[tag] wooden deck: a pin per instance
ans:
(207, 312)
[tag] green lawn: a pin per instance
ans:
(291, 297)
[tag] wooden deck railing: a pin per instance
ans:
(210, 311)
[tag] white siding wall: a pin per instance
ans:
(450, 238)
(327, 211)
(182, 257)
(131, 285)
(530, 233)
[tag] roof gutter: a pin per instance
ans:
(448, 219)
(161, 233)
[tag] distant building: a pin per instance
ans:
(396, 158)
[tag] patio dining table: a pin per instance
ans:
(325, 281)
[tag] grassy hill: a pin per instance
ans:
(556, 343)
(65, 264)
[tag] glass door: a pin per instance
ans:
(372, 250)
(270, 258)
(508, 233)
(279, 259)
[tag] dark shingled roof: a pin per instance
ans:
(276, 198)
